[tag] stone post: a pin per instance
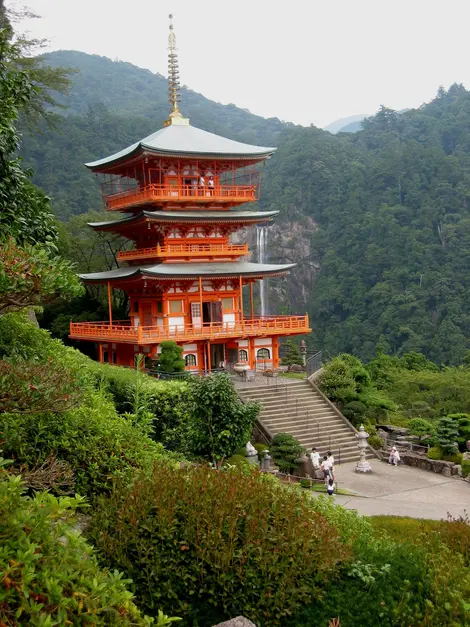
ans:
(362, 465)
(266, 462)
(251, 453)
(302, 462)
(303, 351)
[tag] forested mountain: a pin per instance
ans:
(342, 123)
(378, 221)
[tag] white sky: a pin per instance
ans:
(306, 61)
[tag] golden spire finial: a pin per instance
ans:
(174, 97)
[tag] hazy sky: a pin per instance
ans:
(307, 61)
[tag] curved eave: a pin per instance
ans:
(143, 150)
(188, 272)
(208, 217)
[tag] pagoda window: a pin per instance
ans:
(136, 306)
(159, 306)
(263, 353)
(227, 304)
(243, 355)
(190, 360)
(176, 306)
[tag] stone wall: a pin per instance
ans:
(439, 466)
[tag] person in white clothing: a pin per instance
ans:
(394, 457)
(331, 463)
(315, 458)
(325, 466)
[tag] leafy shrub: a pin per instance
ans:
(465, 467)
(208, 543)
(170, 358)
(305, 483)
(394, 583)
(286, 450)
(375, 441)
(237, 460)
(421, 427)
(96, 443)
(337, 381)
(261, 448)
(219, 422)
(435, 452)
(167, 401)
(456, 458)
(49, 573)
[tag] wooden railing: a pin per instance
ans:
(273, 325)
(235, 193)
(185, 250)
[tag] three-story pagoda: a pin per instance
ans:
(182, 189)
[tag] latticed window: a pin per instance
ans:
(190, 360)
(243, 355)
(263, 353)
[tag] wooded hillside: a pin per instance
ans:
(378, 221)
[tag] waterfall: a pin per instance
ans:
(261, 241)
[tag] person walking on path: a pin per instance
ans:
(331, 464)
(331, 487)
(315, 459)
(325, 466)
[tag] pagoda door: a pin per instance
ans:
(196, 318)
(147, 320)
(216, 312)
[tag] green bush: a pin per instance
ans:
(261, 448)
(456, 458)
(421, 427)
(285, 450)
(394, 583)
(211, 544)
(238, 461)
(48, 572)
(465, 467)
(435, 452)
(305, 483)
(375, 441)
(95, 442)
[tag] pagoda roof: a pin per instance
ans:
(227, 216)
(185, 141)
(188, 271)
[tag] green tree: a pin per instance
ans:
(292, 355)
(219, 423)
(447, 433)
(29, 276)
(286, 450)
(170, 358)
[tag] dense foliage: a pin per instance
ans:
(211, 544)
(219, 422)
(380, 217)
(51, 415)
(48, 573)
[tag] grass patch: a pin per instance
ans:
(292, 375)
(403, 528)
(320, 487)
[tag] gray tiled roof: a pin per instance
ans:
(192, 216)
(189, 141)
(181, 270)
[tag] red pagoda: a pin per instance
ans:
(182, 189)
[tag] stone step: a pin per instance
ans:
(319, 415)
(333, 431)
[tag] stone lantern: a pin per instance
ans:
(362, 465)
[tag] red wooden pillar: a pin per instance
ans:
(110, 308)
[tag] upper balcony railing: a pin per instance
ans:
(182, 193)
(124, 332)
(186, 251)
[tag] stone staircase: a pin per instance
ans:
(299, 409)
